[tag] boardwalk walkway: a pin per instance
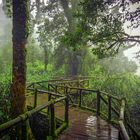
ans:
(85, 126)
(57, 100)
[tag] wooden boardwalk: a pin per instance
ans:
(85, 126)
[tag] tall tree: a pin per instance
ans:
(105, 19)
(69, 8)
(20, 34)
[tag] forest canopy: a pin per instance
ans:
(44, 39)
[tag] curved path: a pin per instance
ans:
(85, 126)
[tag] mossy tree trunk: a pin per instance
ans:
(46, 57)
(20, 34)
(72, 60)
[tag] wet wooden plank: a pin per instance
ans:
(85, 126)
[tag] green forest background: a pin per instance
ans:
(57, 49)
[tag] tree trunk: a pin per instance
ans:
(68, 13)
(20, 33)
(74, 64)
(45, 58)
(38, 10)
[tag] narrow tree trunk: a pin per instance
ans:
(20, 33)
(74, 64)
(45, 58)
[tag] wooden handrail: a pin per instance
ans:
(89, 90)
(110, 107)
(123, 131)
(72, 81)
(78, 88)
(53, 80)
(26, 115)
(121, 121)
(46, 92)
(108, 100)
(107, 94)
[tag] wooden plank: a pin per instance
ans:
(86, 126)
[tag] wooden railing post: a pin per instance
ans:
(124, 134)
(80, 98)
(98, 103)
(52, 121)
(35, 98)
(49, 98)
(122, 110)
(56, 89)
(24, 135)
(67, 109)
(109, 108)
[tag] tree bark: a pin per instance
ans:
(73, 61)
(74, 64)
(45, 58)
(20, 34)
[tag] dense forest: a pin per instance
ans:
(42, 40)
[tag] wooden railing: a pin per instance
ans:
(21, 120)
(64, 82)
(115, 107)
(110, 107)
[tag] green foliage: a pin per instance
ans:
(35, 72)
(73, 40)
(118, 64)
(120, 85)
(5, 67)
(5, 101)
(94, 36)
(7, 7)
